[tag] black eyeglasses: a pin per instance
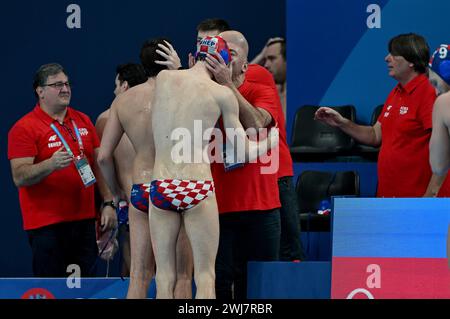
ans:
(59, 85)
(69, 130)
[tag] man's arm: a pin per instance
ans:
(249, 115)
(439, 145)
(440, 137)
(369, 135)
(260, 58)
(434, 185)
(101, 123)
(108, 218)
(111, 137)
(247, 151)
(26, 173)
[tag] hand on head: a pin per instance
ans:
(261, 56)
(191, 60)
(275, 39)
(221, 72)
(172, 61)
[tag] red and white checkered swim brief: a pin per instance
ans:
(179, 195)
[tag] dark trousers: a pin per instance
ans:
(244, 236)
(57, 246)
(290, 246)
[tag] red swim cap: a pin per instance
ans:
(214, 45)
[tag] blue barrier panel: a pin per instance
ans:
(289, 280)
(390, 248)
(316, 245)
(66, 288)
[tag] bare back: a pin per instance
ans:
(185, 110)
(133, 112)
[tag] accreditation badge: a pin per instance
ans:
(85, 171)
(229, 156)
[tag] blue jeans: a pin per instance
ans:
(244, 236)
(290, 246)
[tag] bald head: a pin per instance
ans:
(236, 38)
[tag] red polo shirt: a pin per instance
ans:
(406, 121)
(245, 188)
(61, 196)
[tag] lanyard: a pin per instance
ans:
(63, 140)
(77, 133)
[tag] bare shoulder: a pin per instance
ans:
(103, 116)
(132, 96)
(100, 123)
(164, 75)
(442, 103)
(226, 97)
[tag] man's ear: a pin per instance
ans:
(245, 67)
(125, 85)
(39, 91)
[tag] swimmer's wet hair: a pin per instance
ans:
(149, 56)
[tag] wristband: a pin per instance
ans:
(109, 203)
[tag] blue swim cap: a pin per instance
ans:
(440, 62)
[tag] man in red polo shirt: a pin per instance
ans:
(404, 127)
(290, 245)
(247, 196)
(52, 151)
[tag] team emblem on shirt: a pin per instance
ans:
(53, 143)
(386, 114)
(403, 110)
(83, 131)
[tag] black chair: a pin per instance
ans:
(314, 186)
(366, 151)
(314, 141)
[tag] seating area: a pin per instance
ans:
(314, 141)
(318, 143)
(314, 187)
